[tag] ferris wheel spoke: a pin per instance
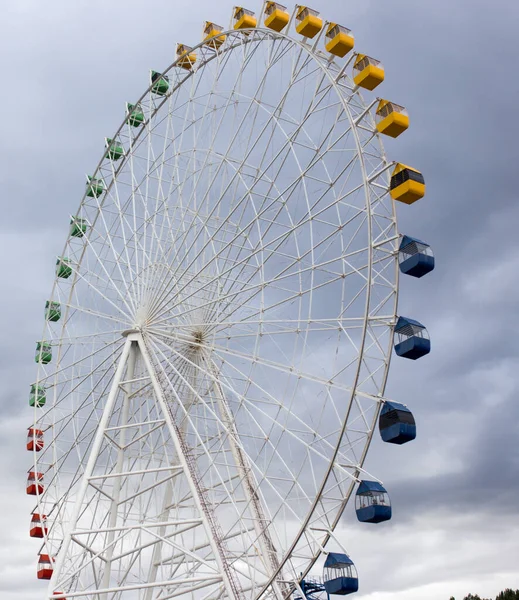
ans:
(347, 306)
(286, 273)
(244, 261)
(161, 197)
(299, 259)
(210, 376)
(123, 225)
(207, 154)
(218, 476)
(224, 383)
(240, 72)
(255, 360)
(285, 146)
(161, 194)
(290, 295)
(146, 216)
(282, 368)
(146, 258)
(90, 336)
(62, 369)
(111, 246)
(267, 435)
(90, 313)
(84, 278)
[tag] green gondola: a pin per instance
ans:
(38, 396)
(63, 268)
(115, 149)
(135, 114)
(160, 83)
(52, 311)
(78, 227)
(95, 187)
(43, 353)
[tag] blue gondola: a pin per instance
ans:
(415, 257)
(396, 423)
(312, 589)
(372, 503)
(412, 339)
(340, 575)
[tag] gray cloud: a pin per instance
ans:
(71, 67)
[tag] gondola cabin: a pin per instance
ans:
(211, 35)
(37, 396)
(159, 83)
(115, 149)
(412, 339)
(52, 311)
(186, 58)
(135, 114)
(63, 268)
(78, 227)
(396, 424)
(43, 353)
(392, 119)
(276, 16)
(244, 18)
(340, 576)
(34, 483)
(308, 22)
(95, 187)
(368, 72)
(372, 503)
(415, 257)
(311, 588)
(60, 594)
(38, 528)
(339, 40)
(35, 440)
(407, 184)
(45, 566)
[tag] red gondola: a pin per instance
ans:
(34, 483)
(35, 440)
(45, 566)
(38, 526)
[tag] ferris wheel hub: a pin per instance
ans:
(127, 332)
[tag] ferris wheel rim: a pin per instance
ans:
(324, 69)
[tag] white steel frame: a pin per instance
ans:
(121, 274)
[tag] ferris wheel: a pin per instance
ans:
(218, 337)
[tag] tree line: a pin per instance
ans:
(507, 594)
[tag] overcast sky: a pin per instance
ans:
(68, 67)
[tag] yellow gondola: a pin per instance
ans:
(211, 37)
(276, 15)
(407, 184)
(367, 72)
(309, 23)
(392, 119)
(186, 58)
(244, 18)
(340, 40)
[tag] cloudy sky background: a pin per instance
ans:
(68, 67)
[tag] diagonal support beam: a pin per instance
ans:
(268, 549)
(94, 453)
(230, 581)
